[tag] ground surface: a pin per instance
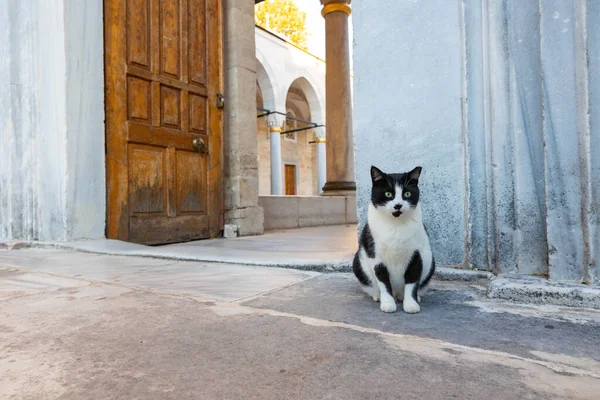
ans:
(317, 248)
(85, 326)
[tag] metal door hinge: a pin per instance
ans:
(220, 100)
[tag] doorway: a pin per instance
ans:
(290, 180)
(163, 120)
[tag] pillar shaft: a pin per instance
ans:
(276, 178)
(321, 164)
(276, 123)
(340, 143)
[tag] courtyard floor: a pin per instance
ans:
(319, 248)
(77, 325)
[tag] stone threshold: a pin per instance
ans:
(534, 290)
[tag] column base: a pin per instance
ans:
(339, 189)
(249, 220)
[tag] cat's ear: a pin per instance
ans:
(415, 174)
(376, 174)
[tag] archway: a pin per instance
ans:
(299, 152)
(263, 144)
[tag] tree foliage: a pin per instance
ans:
(285, 18)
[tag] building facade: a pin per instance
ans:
(499, 101)
(293, 82)
(136, 120)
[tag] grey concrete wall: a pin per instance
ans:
(593, 210)
(51, 120)
(86, 181)
(499, 102)
(407, 106)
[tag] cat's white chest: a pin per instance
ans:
(396, 243)
(396, 247)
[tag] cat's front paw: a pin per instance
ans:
(389, 306)
(411, 307)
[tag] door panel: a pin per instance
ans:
(163, 73)
(147, 180)
(191, 190)
(170, 38)
(197, 44)
(290, 180)
(138, 33)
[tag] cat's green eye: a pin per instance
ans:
(389, 195)
(407, 194)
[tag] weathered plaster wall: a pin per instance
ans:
(51, 120)
(499, 102)
(593, 173)
(86, 181)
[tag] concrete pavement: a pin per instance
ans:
(86, 326)
(326, 249)
(291, 248)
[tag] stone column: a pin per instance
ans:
(321, 159)
(340, 143)
(276, 123)
(240, 168)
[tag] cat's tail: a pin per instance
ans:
(359, 272)
(425, 282)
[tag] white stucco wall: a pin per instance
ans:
(280, 64)
(498, 101)
(52, 175)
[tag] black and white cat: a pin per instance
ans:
(394, 258)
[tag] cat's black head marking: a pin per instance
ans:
(395, 192)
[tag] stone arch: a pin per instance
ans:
(303, 101)
(267, 82)
(267, 90)
(313, 97)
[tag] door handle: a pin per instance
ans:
(199, 145)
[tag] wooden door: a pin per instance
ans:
(290, 180)
(163, 77)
